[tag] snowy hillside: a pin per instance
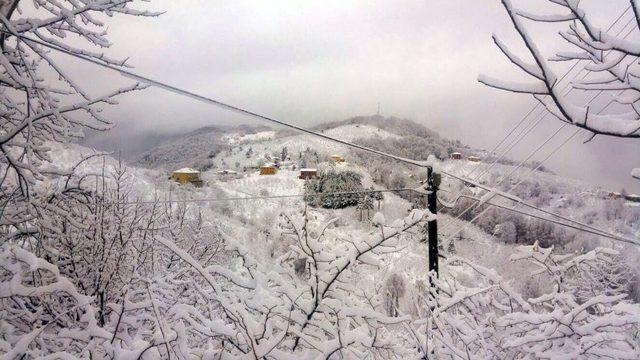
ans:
(245, 246)
(197, 147)
(243, 151)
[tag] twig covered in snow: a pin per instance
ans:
(618, 73)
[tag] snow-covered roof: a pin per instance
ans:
(187, 170)
(308, 169)
(456, 153)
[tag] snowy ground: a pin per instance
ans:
(252, 220)
(235, 138)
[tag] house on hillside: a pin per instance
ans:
(473, 158)
(308, 174)
(187, 176)
(337, 158)
(615, 195)
(456, 156)
(267, 170)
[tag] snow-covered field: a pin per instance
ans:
(235, 138)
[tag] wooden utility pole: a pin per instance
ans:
(433, 181)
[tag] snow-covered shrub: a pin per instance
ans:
(506, 232)
(394, 289)
(306, 304)
(397, 181)
(614, 209)
(487, 318)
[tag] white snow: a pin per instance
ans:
(187, 171)
(378, 219)
(233, 139)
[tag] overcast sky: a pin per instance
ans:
(307, 62)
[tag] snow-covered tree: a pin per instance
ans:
(394, 290)
(305, 304)
(41, 104)
(611, 57)
(479, 315)
(334, 189)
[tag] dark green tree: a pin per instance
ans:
(334, 189)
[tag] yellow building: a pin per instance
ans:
(337, 158)
(267, 170)
(187, 176)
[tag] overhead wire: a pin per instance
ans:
(249, 113)
(545, 113)
(249, 198)
(594, 229)
(512, 209)
(567, 86)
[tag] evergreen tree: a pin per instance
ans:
(322, 191)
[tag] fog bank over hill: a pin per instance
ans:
(602, 161)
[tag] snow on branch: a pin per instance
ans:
(609, 54)
(487, 317)
(546, 18)
(526, 88)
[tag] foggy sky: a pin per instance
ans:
(308, 62)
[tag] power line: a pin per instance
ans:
(615, 238)
(544, 114)
(519, 165)
(594, 229)
(208, 100)
(289, 196)
(233, 108)
(567, 86)
(248, 198)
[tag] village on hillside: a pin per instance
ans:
(305, 165)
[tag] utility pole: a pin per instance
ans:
(433, 182)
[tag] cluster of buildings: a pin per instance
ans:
(192, 176)
(458, 156)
